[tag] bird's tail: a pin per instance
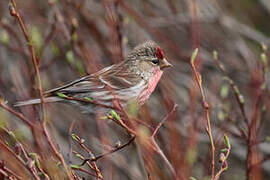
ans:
(37, 101)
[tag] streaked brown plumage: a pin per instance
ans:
(134, 78)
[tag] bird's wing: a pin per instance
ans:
(112, 78)
(58, 89)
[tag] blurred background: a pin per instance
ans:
(75, 38)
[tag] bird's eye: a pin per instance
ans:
(156, 61)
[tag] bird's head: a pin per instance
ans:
(149, 57)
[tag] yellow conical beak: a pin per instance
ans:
(164, 64)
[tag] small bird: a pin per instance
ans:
(135, 78)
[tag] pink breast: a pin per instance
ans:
(152, 83)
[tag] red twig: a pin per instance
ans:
(85, 171)
(17, 114)
(14, 12)
(224, 164)
(96, 158)
(155, 147)
(158, 150)
(20, 160)
(8, 172)
(163, 120)
(93, 165)
(206, 110)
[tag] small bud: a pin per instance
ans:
(239, 95)
(82, 141)
(75, 137)
(221, 158)
(70, 57)
(4, 37)
(12, 10)
(194, 55)
(109, 117)
(224, 91)
(224, 150)
(115, 115)
(206, 105)
(31, 164)
(92, 156)
(74, 37)
(241, 99)
(264, 59)
(264, 47)
(61, 95)
(225, 166)
(74, 22)
(34, 156)
(18, 149)
(74, 166)
(88, 99)
(227, 141)
(79, 156)
(215, 55)
(118, 144)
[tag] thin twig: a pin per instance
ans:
(3, 173)
(17, 114)
(7, 172)
(12, 173)
(85, 171)
(93, 165)
(56, 152)
(206, 109)
(156, 147)
(82, 158)
(70, 140)
(20, 160)
(24, 153)
(14, 13)
(163, 120)
(96, 158)
(235, 89)
(224, 165)
(158, 150)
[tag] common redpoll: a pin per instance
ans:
(135, 78)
